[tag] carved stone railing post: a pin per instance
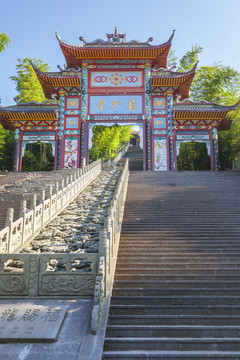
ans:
(23, 209)
(103, 251)
(98, 296)
(9, 223)
(50, 190)
(33, 207)
(42, 201)
(56, 193)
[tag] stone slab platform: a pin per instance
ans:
(70, 337)
(29, 322)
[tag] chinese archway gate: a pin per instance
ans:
(116, 82)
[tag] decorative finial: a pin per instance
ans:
(149, 40)
(195, 66)
(171, 37)
(116, 31)
(58, 37)
(33, 65)
(83, 40)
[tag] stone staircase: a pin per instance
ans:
(135, 158)
(177, 282)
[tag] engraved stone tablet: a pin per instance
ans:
(23, 322)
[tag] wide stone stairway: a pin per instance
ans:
(176, 293)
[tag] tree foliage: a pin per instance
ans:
(218, 81)
(4, 41)
(107, 140)
(38, 157)
(190, 58)
(215, 81)
(193, 156)
(172, 59)
(27, 84)
(7, 150)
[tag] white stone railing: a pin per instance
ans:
(116, 158)
(16, 233)
(108, 246)
(33, 275)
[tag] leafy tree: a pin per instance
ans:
(190, 58)
(193, 156)
(38, 157)
(2, 142)
(172, 59)
(215, 81)
(26, 81)
(6, 160)
(218, 81)
(4, 41)
(107, 141)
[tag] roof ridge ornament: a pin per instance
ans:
(115, 39)
(155, 69)
(199, 102)
(65, 69)
(45, 102)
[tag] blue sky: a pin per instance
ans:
(30, 25)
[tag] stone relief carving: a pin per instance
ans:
(64, 284)
(12, 284)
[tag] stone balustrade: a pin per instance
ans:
(63, 274)
(16, 233)
(116, 158)
(108, 246)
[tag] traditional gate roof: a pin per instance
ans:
(12, 117)
(115, 47)
(51, 81)
(180, 81)
(198, 110)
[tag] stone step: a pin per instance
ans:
(172, 344)
(174, 230)
(177, 277)
(173, 241)
(178, 310)
(211, 320)
(176, 355)
(176, 284)
(175, 300)
(179, 256)
(188, 265)
(175, 292)
(172, 331)
(162, 270)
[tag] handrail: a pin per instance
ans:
(108, 247)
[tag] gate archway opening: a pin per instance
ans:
(38, 156)
(193, 156)
(102, 143)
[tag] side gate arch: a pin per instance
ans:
(203, 137)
